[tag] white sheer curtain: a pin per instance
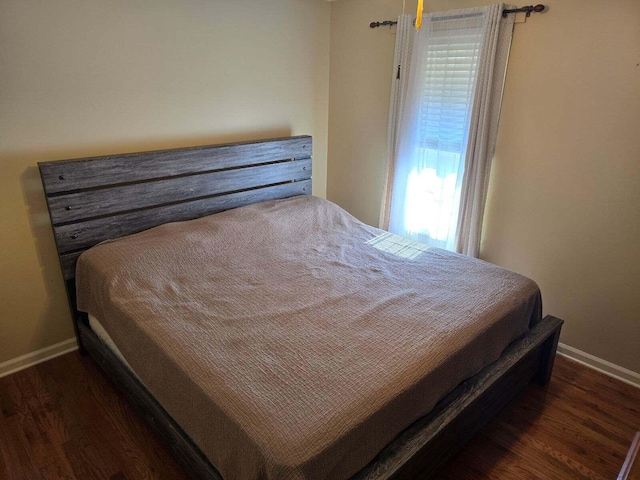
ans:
(443, 124)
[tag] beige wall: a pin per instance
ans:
(564, 199)
(361, 69)
(80, 78)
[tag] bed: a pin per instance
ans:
(285, 370)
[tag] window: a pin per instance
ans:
(443, 123)
(448, 70)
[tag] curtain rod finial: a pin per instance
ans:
(528, 10)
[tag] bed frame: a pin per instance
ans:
(95, 199)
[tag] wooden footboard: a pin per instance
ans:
(420, 451)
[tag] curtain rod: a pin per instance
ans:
(528, 9)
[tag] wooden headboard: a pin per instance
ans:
(100, 198)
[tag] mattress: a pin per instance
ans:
(101, 333)
(290, 340)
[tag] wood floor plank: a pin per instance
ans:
(537, 451)
(21, 448)
(43, 449)
(12, 467)
(566, 437)
(7, 407)
(87, 461)
(491, 460)
(64, 419)
(573, 408)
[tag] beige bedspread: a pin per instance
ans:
(288, 339)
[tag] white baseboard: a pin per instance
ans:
(611, 369)
(30, 359)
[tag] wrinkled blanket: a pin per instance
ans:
(290, 340)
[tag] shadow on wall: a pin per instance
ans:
(54, 307)
(54, 310)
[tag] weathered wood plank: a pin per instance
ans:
(549, 349)
(67, 175)
(94, 203)
(86, 234)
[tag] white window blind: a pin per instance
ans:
(449, 74)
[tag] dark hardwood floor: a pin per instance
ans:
(64, 419)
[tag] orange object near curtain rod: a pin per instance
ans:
(419, 14)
